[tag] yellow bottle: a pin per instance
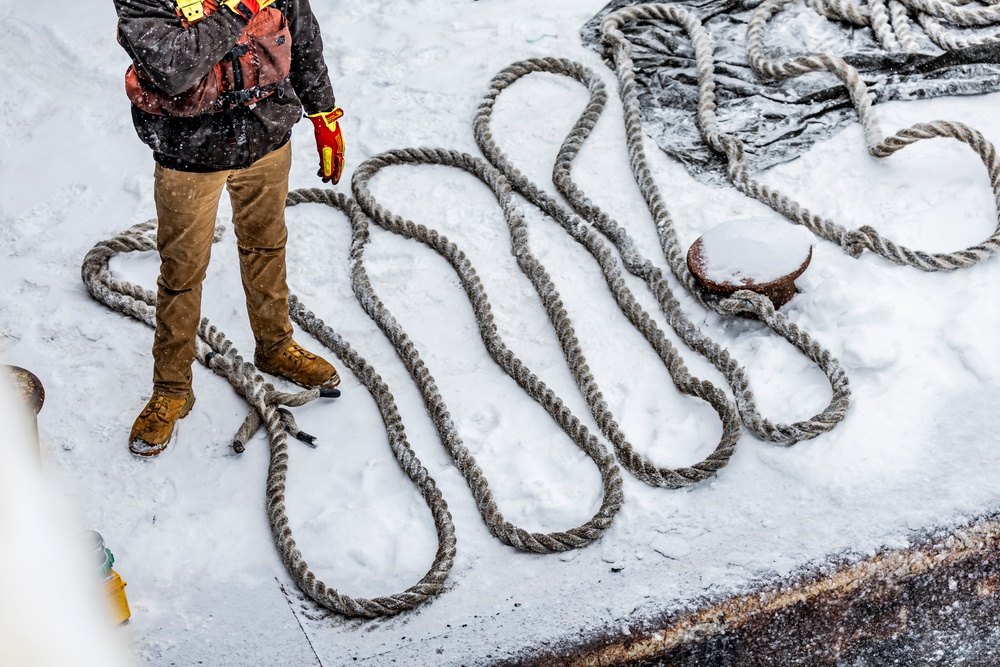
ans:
(112, 583)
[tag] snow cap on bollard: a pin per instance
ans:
(760, 255)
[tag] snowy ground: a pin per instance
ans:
(189, 529)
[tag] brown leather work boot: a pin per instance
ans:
(300, 366)
(154, 426)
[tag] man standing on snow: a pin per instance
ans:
(216, 86)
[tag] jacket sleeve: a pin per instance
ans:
(173, 57)
(309, 76)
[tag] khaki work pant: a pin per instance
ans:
(186, 207)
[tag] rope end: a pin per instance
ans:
(310, 440)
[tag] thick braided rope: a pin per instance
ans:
(950, 40)
(219, 354)
(590, 239)
(880, 24)
(902, 27)
(856, 241)
(139, 303)
(644, 269)
(955, 13)
(892, 27)
(503, 529)
(842, 10)
(535, 271)
(932, 14)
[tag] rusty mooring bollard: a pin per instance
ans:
(762, 256)
(29, 389)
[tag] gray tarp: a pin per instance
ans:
(778, 121)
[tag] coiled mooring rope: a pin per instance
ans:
(218, 353)
(600, 224)
(855, 241)
(589, 226)
(503, 529)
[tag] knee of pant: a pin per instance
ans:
(183, 269)
(262, 252)
(274, 240)
(178, 282)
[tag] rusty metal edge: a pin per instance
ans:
(885, 571)
(29, 387)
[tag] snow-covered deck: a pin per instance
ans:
(916, 453)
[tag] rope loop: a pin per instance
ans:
(615, 253)
(745, 302)
(853, 242)
(856, 241)
(217, 352)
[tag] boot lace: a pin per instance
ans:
(297, 354)
(159, 407)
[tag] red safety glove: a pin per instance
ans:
(329, 143)
(247, 8)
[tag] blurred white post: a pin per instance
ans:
(52, 613)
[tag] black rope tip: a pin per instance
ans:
(329, 393)
(310, 440)
(238, 447)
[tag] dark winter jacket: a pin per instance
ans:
(175, 59)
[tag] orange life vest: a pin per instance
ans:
(258, 64)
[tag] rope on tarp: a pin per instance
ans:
(892, 23)
(854, 241)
